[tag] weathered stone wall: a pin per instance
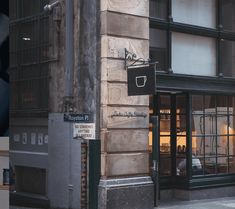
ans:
(57, 52)
(124, 140)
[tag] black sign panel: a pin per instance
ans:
(78, 118)
(141, 81)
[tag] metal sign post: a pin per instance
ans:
(155, 154)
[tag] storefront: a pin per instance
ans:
(196, 135)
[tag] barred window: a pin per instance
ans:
(29, 55)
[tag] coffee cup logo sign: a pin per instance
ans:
(141, 81)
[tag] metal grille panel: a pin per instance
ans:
(29, 56)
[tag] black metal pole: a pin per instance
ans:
(155, 154)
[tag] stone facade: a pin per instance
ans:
(124, 140)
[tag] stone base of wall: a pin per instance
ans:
(177, 194)
(126, 193)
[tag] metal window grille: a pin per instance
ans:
(29, 57)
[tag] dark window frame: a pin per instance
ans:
(218, 33)
(215, 135)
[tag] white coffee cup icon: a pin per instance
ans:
(140, 81)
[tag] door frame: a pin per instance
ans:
(173, 180)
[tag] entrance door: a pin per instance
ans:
(172, 149)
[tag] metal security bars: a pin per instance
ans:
(29, 57)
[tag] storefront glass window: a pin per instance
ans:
(195, 12)
(193, 55)
(213, 134)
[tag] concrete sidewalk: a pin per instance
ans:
(219, 203)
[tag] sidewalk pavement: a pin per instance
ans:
(219, 203)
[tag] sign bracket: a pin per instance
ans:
(131, 60)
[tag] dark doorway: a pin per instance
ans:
(172, 111)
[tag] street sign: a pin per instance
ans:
(141, 80)
(78, 118)
(84, 130)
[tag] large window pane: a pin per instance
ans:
(195, 12)
(228, 57)
(193, 55)
(158, 9)
(158, 48)
(228, 15)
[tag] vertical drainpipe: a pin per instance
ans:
(69, 49)
(69, 73)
